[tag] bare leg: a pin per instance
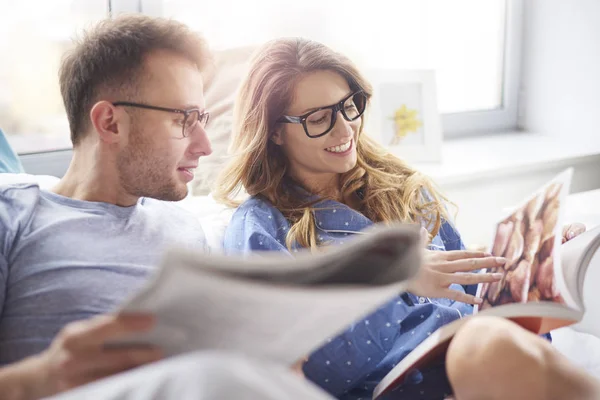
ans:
(493, 358)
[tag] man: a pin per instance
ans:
(133, 93)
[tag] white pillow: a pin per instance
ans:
(45, 181)
(214, 218)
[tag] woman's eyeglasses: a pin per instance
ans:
(319, 122)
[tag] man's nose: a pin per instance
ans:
(199, 143)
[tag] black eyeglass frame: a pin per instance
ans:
(301, 119)
(186, 113)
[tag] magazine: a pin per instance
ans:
(542, 284)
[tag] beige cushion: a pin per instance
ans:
(220, 91)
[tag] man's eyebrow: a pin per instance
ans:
(192, 106)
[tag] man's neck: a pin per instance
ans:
(90, 178)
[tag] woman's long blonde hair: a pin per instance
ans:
(390, 191)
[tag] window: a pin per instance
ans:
(469, 43)
(472, 45)
(33, 37)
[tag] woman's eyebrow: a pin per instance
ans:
(316, 108)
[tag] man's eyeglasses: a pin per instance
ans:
(319, 122)
(190, 117)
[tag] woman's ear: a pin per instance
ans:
(277, 137)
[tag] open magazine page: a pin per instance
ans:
(576, 257)
(530, 238)
(531, 292)
(278, 308)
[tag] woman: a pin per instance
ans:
(315, 179)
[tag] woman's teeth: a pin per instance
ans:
(339, 149)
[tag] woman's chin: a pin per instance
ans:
(345, 167)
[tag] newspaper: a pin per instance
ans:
(270, 305)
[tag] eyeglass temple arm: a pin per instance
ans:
(286, 119)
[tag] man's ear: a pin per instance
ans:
(106, 119)
(277, 136)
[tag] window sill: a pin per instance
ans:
(464, 160)
(54, 163)
(472, 159)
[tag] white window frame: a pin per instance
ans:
(470, 123)
(455, 125)
(124, 6)
(504, 118)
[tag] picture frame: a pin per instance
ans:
(404, 115)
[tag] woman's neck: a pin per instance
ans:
(327, 186)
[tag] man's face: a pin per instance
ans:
(157, 161)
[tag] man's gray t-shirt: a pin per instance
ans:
(63, 259)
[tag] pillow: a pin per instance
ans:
(213, 218)
(222, 82)
(9, 161)
(45, 182)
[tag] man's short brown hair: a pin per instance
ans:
(110, 58)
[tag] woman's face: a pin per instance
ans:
(319, 159)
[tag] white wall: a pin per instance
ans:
(561, 68)
(483, 201)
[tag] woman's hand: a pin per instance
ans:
(572, 230)
(440, 269)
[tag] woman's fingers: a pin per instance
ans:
(572, 230)
(460, 296)
(473, 279)
(471, 264)
(456, 255)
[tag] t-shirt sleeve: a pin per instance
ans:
(13, 214)
(3, 280)
(5, 244)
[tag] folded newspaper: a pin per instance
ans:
(272, 305)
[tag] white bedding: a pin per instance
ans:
(581, 348)
(213, 217)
